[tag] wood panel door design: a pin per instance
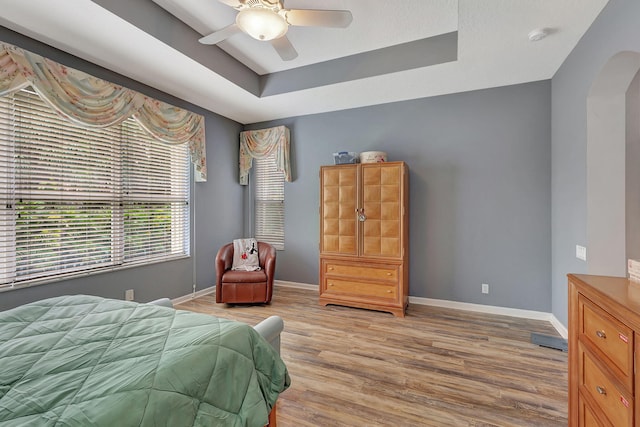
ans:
(338, 228)
(364, 236)
(381, 234)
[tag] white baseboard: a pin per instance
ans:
(212, 289)
(479, 308)
(562, 330)
(491, 309)
(297, 285)
(194, 295)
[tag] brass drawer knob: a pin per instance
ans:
(601, 390)
(330, 268)
(388, 291)
(330, 284)
(601, 334)
(388, 274)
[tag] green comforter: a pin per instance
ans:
(83, 360)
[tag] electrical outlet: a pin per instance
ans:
(485, 288)
(581, 252)
(128, 295)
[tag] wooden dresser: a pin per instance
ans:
(364, 236)
(604, 323)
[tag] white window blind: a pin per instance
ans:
(76, 200)
(269, 202)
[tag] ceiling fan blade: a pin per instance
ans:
(319, 18)
(285, 49)
(231, 3)
(218, 36)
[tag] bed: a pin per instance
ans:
(83, 360)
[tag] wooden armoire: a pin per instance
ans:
(364, 236)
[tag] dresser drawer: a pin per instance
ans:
(587, 417)
(608, 335)
(360, 271)
(615, 404)
(362, 289)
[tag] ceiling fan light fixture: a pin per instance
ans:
(261, 23)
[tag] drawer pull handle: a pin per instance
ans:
(601, 334)
(388, 291)
(601, 390)
(330, 268)
(388, 274)
(330, 284)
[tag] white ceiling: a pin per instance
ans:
(493, 48)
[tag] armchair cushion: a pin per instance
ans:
(241, 276)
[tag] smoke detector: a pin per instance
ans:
(538, 34)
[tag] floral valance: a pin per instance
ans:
(93, 102)
(262, 143)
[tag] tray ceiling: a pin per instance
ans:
(392, 51)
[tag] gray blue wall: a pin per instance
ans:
(480, 190)
(217, 205)
(616, 29)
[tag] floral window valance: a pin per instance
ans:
(93, 102)
(258, 144)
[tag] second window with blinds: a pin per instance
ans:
(268, 215)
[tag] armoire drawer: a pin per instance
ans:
(360, 271)
(361, 289)
(616, 404)
(611, 337)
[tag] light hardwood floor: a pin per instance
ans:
(436, 367)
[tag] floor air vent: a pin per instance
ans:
(550, 341)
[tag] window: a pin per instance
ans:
(269, 202)
(78, 200)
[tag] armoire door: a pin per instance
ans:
(382, 206)
(339, 201)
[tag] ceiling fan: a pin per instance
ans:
(268, 20)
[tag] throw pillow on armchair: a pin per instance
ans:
(245, 255)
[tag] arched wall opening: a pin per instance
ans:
(613, 166)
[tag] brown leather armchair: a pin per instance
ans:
(236, 286)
